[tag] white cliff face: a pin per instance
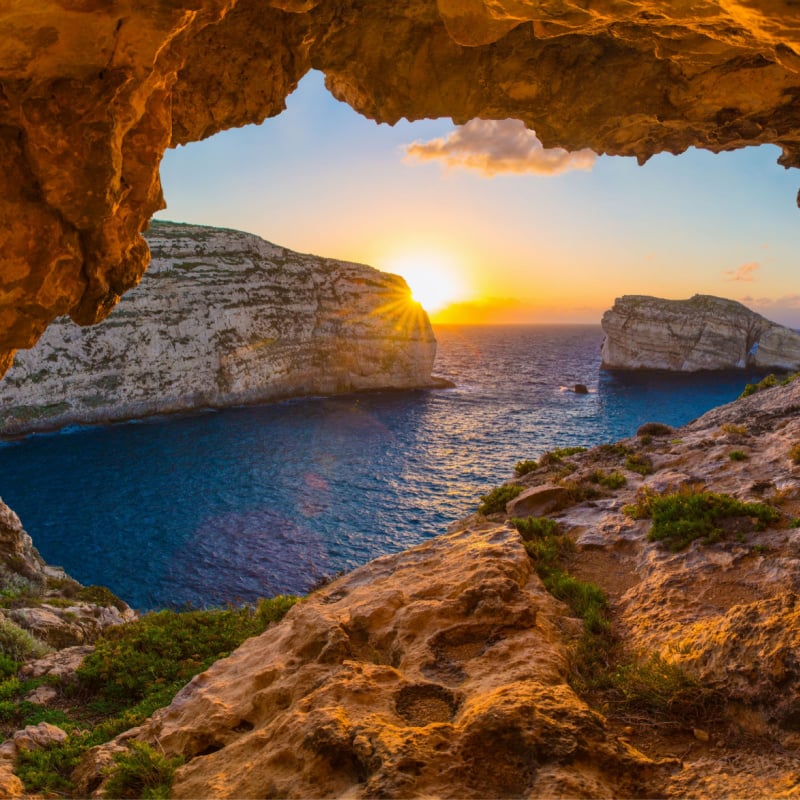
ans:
(701, 333)
(223, 317)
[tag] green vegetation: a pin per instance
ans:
(135, 669)
(654, 429)
(141, 772)
(611, 480)
(764, 383)
(682, 517)
(732, 429)
(614, 450)
(547, 547)
(656, 686)
(653, 686)
(738, 455)
(636, 462)
(496, 500)
(535, 527)
(526, 466)
(548, 459)
(17, 644)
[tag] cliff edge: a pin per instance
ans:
(220, 318)
(701, 333)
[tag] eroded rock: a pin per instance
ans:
(440, 671)
(93, 93)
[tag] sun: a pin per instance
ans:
(432, 278)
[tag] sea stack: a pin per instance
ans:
(701, 333)
(221, 318)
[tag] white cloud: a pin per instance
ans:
(493, 147)
(745, 273)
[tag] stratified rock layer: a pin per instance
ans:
(223, 317)
(92, 93)
(703, 332)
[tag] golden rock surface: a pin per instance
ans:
(92, 93)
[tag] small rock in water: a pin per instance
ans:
(580, 388)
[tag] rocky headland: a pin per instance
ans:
(221, 318)
(701, 333)
(582, 652)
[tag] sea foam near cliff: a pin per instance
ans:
(232, 505)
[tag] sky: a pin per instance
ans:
(486, 225)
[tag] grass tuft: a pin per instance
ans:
(495, 501)
(681, 517)
(141, 772)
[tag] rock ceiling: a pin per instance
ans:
(93, 91)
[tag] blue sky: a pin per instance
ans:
(514, 247)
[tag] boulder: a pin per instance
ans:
(61, 664)
(538, 501)
(39, 737)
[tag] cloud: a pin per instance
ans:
(744, 273)
(493, 147)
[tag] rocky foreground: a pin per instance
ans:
(451, 671)
(220, 318)
(701, 333)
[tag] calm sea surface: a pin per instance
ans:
(229, 506)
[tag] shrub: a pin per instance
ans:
(682, 517)
(274, 609)
(647, 439)
(738, 455)
(611, 480)
(141, 772)
(524, 467)
(615, 450)
(790, 378)
(794, 453)
(639, 463)
(8, 667)
(587, 600)
(658, 687)
(535, 527)
(764, 383)
(496, 500)
(99, 595)
(732, 429)
(564, 452)
(165, 648)
(19, 645)
(655, 429)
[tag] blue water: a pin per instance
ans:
(229, 506)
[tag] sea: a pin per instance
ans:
(224, 507)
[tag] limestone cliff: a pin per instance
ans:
(92, 93)
(220, 318)
(450, 671)
(701, 333)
